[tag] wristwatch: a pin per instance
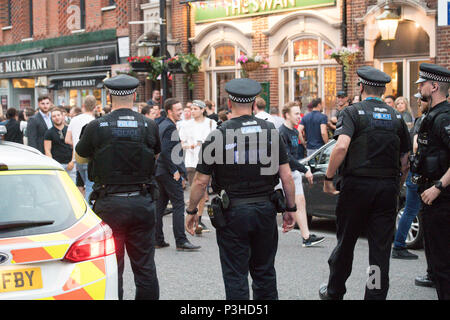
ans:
(329, 179)
(192, 212)
(439, 186)
(293, 209)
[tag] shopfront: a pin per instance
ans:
(293, 35)
(68, 75)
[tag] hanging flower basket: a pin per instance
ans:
(345, 56)
(183, 63)
(175, 67)
(149, 64)
(249, 64)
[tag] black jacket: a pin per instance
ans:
(170, 139)
(13, 133)
(36, 129)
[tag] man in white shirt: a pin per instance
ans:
(259, 110)
(73, 136)
(278, 121)
(194, 133)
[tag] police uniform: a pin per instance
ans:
(248, 241)
(431, 163)
(369, 186)
(122, 146)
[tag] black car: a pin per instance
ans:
(321, 204)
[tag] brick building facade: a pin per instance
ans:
(62, 48)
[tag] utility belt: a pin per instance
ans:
(222, 202)
(150, 189)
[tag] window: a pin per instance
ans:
(9, 13)
(221, 67)
(308, 72)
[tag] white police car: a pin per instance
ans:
(52, 245)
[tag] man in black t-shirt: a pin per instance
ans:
(55, 146)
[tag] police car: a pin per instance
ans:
(321, 204)
(52, 245)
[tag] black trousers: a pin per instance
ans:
(172, 190)
(249, 243)
(364, 204)
(436, 224)
(132, 220)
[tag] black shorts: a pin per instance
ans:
(79, 182)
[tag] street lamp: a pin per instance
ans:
(388, 23)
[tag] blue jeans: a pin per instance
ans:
(412, 207)
(82, 168)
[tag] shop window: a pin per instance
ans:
(306, 49)
(23, 83)
(221, 67)
(4, 83)
(225, 56)
(309, 73)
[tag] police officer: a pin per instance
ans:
(432, 163)
(248, 238)
(372, 145)
(121, 147)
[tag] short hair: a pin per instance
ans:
(43, 97)
(11, 113)
(29, 112)
(287, 108)
(146, 110)
(208, 104)
(76, 110)
(316, 102)
(260, 103)
(107, 109)
(376, 91)
(169, 103)
(58, 109)
(223, 115)
(444, 87)
(90, 102)
(274, 110)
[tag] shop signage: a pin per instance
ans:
(228, 9)
(443, 12)
(79, 83)
(92, 57)
(27, 64)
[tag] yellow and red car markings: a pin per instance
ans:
(49, 251)
(93, 291)
(39, 253)
(84, 273)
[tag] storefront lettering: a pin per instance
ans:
(78, 83)
(85, 59)
(24, 65)
(246, 6)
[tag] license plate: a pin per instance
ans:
(20, 279)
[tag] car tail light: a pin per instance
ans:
(98, 242)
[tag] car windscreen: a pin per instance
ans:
(34, 203)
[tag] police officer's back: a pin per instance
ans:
(372, 145)
(122, 146)
(431, 165)
(244, 157)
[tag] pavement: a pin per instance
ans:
(300, 271)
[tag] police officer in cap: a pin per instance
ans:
(372, 145)
(431, 163)
(121, 147)
(234, 156)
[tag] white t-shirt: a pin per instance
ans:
(265, 116)
(193, 132)
(76, 124)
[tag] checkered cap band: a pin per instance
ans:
(371, 83)
(126, 92)
(433, 77)
(241, 99)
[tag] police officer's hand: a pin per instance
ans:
(309, 176)
(191, 223)
(288, 221)
(328, 187)
(430, 194)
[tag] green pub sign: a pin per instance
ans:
(228, 9)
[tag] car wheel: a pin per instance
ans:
(414, 239)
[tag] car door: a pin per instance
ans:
(321, 202)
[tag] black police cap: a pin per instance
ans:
(433, 72)
(121, 85)
(373, 77)
(243, 90)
